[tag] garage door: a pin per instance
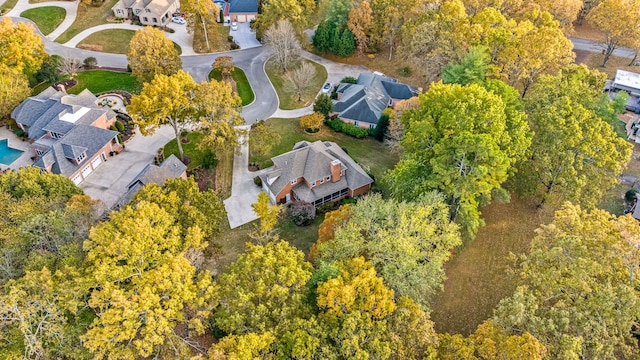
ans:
(86, 171)
(242, 18)
(77, 179)
(96, 162)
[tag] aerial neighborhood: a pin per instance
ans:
(319, 179)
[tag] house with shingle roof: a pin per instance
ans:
(362, 103)
(69, 133)
(318, 173)
(148, 12)
(242, 10)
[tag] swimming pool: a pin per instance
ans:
(8, 154)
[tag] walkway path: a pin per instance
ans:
(71, 8)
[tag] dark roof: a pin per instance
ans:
(170, 168)
(312, 161)
(243, 6)
(365, 100)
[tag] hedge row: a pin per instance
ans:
(349, 129)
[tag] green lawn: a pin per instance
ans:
(102, 80)
(114, 41)
(242, 84)
(88, 16)
(47, 18)
(369, 153)
(288, 100)
(191, 150)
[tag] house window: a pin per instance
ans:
(148, 10)
(328, 178)
(371, 126)
(356, 123)
(145, 18)
(39, 152)
(119, 11)
(294, 181)
(56, 135)
(322, 181)
(81, 157)
(155, 20)
(138, 11)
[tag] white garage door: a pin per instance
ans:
(242, 18)
(86, 171)
(96, 162)
(77, 179)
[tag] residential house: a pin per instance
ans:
(242, 10)
(171, 168)
(69, 133)
(626, 81)
(361, 104)
(148, 12)
(318, 173)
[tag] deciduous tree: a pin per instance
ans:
(151, 53)
(323, 104)
(224, 64)
(565, 11)
(263, 138)
(14, 88)
(70, 67)
(297, 12)
(577, 298)
(312, 121)
(266, 230)
(200, 11)
(619, 21)
(360, 23)
(299, 79)
(20, 47)
(283, 43)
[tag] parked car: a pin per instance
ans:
(178, 20)
(326, 88)
(234, 26)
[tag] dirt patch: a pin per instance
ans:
(206, 178)
(65, 84)
(91, 47)
(586, 31)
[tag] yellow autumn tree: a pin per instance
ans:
(151, 53)
(360, 23)
(619, 21)
(312, 122)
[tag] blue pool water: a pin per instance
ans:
(7, 154)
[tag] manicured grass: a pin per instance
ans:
(224, 173)
(217, 38)
(39, 88)
(114, 41)
(372, 155)
(242, 84)
(88, 16)
(478, 276)
(47, 18)
(288, 100)
(190, 149)
(8, 5)
(102, 80)
(302, 237)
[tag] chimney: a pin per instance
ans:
(336, 167)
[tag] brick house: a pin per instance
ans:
(318, 173)
(242, 10)
(361, 104)
(69, 133)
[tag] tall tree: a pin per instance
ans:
(565, 11)
(144, 286)
(266, 230)
(619, 21)
(284, 45)
(200, 11)
(578, 298)
(575, 153)
(20, 47)
(472, 68)
(457, 141)
(151, 53)
(297, 12)
(263, 138)
(14, 88)
(397, 238)
(360, 23)
(224, 64)
(299, 79)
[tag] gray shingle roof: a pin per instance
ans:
(243, 6)
(312, 161)
(366, 100)
(170, 168)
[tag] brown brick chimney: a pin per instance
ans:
(336, 168)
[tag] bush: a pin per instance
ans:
(302, 213)
(405, 71)
(20, 133)
(90, 61)
(630, 195)
(349, 80)
(50, 69)
(209, 159)
(119, 126)
(348, 129)
(383, 124)
(120, 138)
(257, 181)
(221, 16)
(234, 46)
(230, 38)
(112, 127)
(323, 104)
(312, 122)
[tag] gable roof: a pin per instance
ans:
(365, 100)
(312, 161)
(243, 6)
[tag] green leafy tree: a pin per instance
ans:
(578, 296)
(14, 88)
(151, 53)
(472, 68)
(263, 138)
(323, 104)
(457, 142)
(144, 285)
(50, 69)
(575, 153)
(297, 12)
(263, 290)
(397, 238)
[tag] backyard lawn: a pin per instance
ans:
(372, 155)
(102, 80)
(114, 41)
(47, 18)
(288, 99)
(242, 84)
(88, 16)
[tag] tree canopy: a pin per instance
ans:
(151, 53)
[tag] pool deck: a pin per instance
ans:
(16, 143)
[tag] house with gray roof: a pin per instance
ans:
(318, 173)
(242, 10)
(69, 133)
(361, 104)
(148, 12)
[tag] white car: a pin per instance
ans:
(178, 20)
(234, 26)
(326, 88)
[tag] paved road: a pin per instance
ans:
(592, 46)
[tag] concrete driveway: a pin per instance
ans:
(109, 182)
(244, 37)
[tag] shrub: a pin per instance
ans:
(349, 80)
(119, 126)
(90, 61)
(120, 138)
(209, 159)
(371, 56)
(323, 104)
(302, 213)
(112, 127)
(128, 68)
(348, 129)
(234, 46)
(312, 122)
(257, 181)
(230, 38)
(221, 16)
(383, 124)
(630, 195)
(405, 71)
(20, 133)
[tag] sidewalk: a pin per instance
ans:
(71, 9)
